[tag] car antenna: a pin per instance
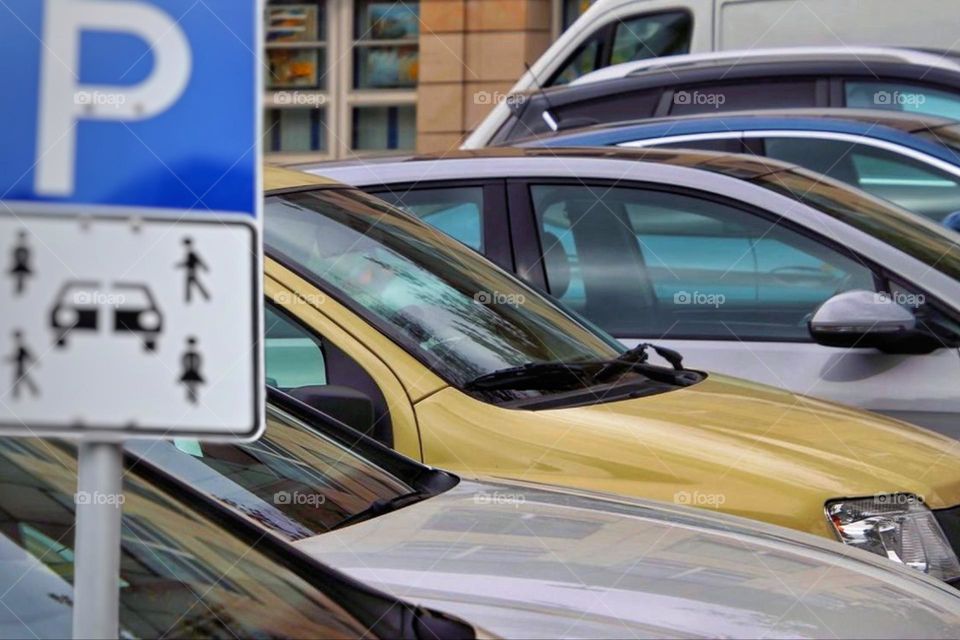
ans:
(548, 117)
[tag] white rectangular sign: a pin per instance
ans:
(115, 329)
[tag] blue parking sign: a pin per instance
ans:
(131, 103)
(130, 226)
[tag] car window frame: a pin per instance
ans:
(523, 207)
(494, 216)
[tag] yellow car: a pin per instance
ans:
(404, 333)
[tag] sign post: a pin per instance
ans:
(130, 219)
(97, 541)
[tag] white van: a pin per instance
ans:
(616, 31)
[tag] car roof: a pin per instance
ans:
(864, 55)
(528, 159)
(281, 179)
(900, 120)
(884, 125)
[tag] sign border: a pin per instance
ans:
(134, 432)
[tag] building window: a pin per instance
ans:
(296, 46)
(384, 128)
(386, 45)
(342, 77)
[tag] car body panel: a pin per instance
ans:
(525, 562)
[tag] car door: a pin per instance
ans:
(731, 288)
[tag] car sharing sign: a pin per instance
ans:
(130, 219)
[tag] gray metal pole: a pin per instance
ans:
(96, 590)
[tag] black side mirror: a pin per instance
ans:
(867, 320)
(351, 407)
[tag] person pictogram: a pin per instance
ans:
(191, 377)
(22, 360)
(192, 264)
(21, 270)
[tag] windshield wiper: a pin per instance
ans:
(535, 376)
(635, 359)
(381, 507)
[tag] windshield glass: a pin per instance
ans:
(445, 304)
(931, 244)
(292, 480)
(181, 575)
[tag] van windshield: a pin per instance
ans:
(447, 305)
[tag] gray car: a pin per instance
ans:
(521, 560)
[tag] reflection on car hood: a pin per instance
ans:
(524, 561)
(726, 444)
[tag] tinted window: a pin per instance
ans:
(929, 243)
(293, 480)
(650, 36)
(918, 187)
(180, 574)
(441, 301)
(457, 211)
(634, 38)
(902, 96)
(584, 60)
(645, 263)
(743, 95)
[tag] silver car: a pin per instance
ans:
(525, 561)
(724, 257)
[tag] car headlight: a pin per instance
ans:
(897, 526)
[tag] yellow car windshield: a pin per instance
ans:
(444, 303)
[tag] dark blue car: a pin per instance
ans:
(909, 159)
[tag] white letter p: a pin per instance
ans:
(64, 101)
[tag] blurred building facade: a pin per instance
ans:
(360, 77)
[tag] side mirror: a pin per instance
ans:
(351, 407)
(867, 320)
(952, 221)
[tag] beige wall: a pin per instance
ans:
(471, 53)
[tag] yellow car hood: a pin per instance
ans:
(723, 444)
